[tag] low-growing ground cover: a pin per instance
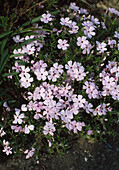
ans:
(63, 78)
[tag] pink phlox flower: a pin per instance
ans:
(62, 44)
(79, 101)
(23, 107)
(66, 115)
(17, 39)
(83, 11)
(116, 35)
(111, 42)
(103, 25)
(31, 105)
(87, 24)
(26, 81)
(90, 132)
(5, 143)
(75, 70)
(38, 115)
(101, 47)
(76, 126)
(30, 95)
(74, 30)
(89, 32)
(17, 67)
(41, 74)
(65, 21)
(18, 117)
(6, 106)
(28, 128)
(91, 90)
(79, 125)
(58, 68)
(2, 132)
(38, 65)
(17, 128)
(95, 20)
(24, 71)
(74, 7)
(88, 107)
(82, 42)
(113, 11)
(28, 49)
(79, 74)
(46, 18)
(100, 110)
(63, 103)
(38, 106)
(64, 90)
(115, 70)
(49, 128)
(39, 93)
(87, 49)
(7, 150)
(53, 75)
(108, 82)
(115, 92)
(29, 153)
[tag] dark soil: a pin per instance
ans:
(84, 155)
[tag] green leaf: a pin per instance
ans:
(5, 33)
(4, 59)
(21, 62)
(32, 21)
(26, 42)
(1, 102)
(16, 55)
(3, 43)
(9, 74)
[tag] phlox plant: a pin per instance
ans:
(67, 71)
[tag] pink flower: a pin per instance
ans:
(7, 150)
(17, 39)
(89, 132)
(18, 117)
(26, 81)
(28, 128)
(88, 107)
(79, 101)
(2, 133)
(49, 128)
(73, 6)
(101, 47)
(62, 44)
(82, 41)
(66, 115)
(65, 21)
(29, 153)
(6, 106)
(46, 18)
(42, 74)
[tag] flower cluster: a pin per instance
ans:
(66, 82)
